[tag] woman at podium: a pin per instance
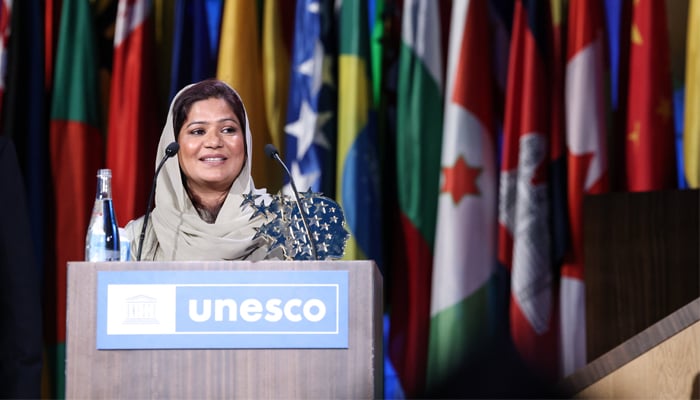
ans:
(206, 204)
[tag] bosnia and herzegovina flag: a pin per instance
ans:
(465, 241)
(77, 152)
(311, 119)
(524, 235)
(358, 188)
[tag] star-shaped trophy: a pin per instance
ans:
(286, 228)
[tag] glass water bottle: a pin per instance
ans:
(102, 239)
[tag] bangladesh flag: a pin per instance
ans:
(77, 152)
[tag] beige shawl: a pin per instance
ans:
(175, 230)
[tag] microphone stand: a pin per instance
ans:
(272, 152)
(170, 151)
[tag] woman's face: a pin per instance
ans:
(212, 146)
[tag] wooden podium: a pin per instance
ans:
(352, 372)
(642, 262)
(663, 361)
(642, 278)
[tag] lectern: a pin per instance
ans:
(662, 361)
(642, 262)
(642, 296)
(269, 329)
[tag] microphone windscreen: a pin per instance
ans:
(172, 149)
(271, 150)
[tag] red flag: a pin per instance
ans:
(587, 164)
(651, 159)
(524, 231)
(133, 121)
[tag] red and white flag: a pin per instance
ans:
(587, 165)
(524, 237)
(133, 132)
(465, 238)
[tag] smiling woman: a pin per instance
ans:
(212, 154)
(200, 212)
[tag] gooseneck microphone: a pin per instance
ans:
(272, 152)
(170, 151)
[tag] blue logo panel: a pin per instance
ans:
(222, 309)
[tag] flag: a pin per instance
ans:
(691, 135)
(524, 235)
(214, 9)
(77, 152)
(650, 142)
(194, 58)
(276, 49)
(358, 186)
(311, 111)
(587, 164)
(465, 238)
(418, 141)
(240, 65)
(133, 129)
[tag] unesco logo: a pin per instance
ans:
(252, 310)
(257, 308)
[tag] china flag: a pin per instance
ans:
(649, 141)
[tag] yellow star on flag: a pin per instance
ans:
(634, 135)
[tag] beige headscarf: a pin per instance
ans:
(176, 232)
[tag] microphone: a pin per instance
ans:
(170, 151)
(272, 152)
